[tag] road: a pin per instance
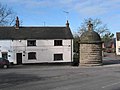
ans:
(60, 78)
(36, 77)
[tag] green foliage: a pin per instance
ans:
(76, 44)
(107, 37)
(75, 59)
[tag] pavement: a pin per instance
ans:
(36, 77)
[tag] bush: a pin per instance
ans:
(75, 60)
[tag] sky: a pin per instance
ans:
(54, 12)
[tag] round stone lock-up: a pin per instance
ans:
(90, 48)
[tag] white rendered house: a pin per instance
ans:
(22, 45)
(117, 43)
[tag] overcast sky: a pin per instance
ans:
(53, 12)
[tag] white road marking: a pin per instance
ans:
(110, 85)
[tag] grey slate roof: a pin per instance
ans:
(35, 33)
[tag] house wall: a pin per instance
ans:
(6, 47)
(44, 49)
(117, 47)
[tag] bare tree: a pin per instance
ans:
(7, 16)
(97, 26)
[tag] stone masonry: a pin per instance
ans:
(90, 48)
(90, 54)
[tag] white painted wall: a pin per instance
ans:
(6, 46)
(44, 49)
(117, 47)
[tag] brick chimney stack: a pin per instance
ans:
(17, 23)
(67, 24)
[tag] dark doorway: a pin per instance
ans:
(19, 58)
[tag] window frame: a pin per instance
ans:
(118, 49)
(58, 42)
(4, 55)
(32, 57)
(60, 58)
(31, 41)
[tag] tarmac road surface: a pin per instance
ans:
(36, 77)
(60, 78)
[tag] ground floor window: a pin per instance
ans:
(31, 55)
(118, 49)
(58, 57)
(5, 55)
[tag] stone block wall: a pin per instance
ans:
(90, 54)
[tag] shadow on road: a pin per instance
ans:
(108, 62)
(13, 79)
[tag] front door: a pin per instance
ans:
(19, 58)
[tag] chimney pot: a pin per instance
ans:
(17, 23)
(67, 24)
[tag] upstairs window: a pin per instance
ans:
(31, 42)
(58, 57)
(57, 42)
(31, 55)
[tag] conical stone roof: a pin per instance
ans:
(90, 36)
